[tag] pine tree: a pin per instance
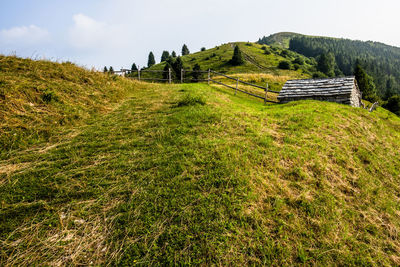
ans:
(178, 66)
(327, 64)
(185, 50)
(111, 70)
(366, 84)
(165, 55)
(196, 72)
(134, 67)
(237, 58)
(173, 54)
(167, 68)
(105, 70)
(151, 61)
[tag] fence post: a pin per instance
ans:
(237, 85)
(169, 75)
(138, 73)
(181, 75)
(209, 75)
(266, 91)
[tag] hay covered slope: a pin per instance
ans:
(192, 174)
(36, 97)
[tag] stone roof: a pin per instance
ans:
(317, 87)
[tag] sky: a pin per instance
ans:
(98, 33)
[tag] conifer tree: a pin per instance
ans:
(185, 50)
(165, 55)
(366, 84)
(178, 66)
(237, 58)
(151, 61)
(134, 67)
(111, 70)
(105, 70)
(173, 54)
(167, 67)
(327, 64)
(196, 72)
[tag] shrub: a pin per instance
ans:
(284, 53)
(48, 96)
(319, 74)
(284, 65)
(393, 104)
(299, 61)
(203, 49)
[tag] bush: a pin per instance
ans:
(319, 74)
(299, 61)
(284, 53)
(284, 65)
(264, 48)
(203, 49)
(48, 96)
(393, 104)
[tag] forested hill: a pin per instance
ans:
(381, 61)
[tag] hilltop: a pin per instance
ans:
(191, 174)
(281, 39)
(261, 64)
(258, 59)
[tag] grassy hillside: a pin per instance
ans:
(258, 60)
(38, 97)
(191, 174)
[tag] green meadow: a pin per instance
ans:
(189, 174)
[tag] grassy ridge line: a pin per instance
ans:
(38, 97)
(191, 174)
(218, 58)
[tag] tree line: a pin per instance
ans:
(375, 65)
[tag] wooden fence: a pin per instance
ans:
(188, 76)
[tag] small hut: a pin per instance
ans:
(340, 90)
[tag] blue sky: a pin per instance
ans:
(119, 32)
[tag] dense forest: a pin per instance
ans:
(380, 61)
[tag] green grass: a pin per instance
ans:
(39, 97)
(194, 175)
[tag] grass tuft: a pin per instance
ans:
(191, 100)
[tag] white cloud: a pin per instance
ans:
(87, 33)
(24, 35)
